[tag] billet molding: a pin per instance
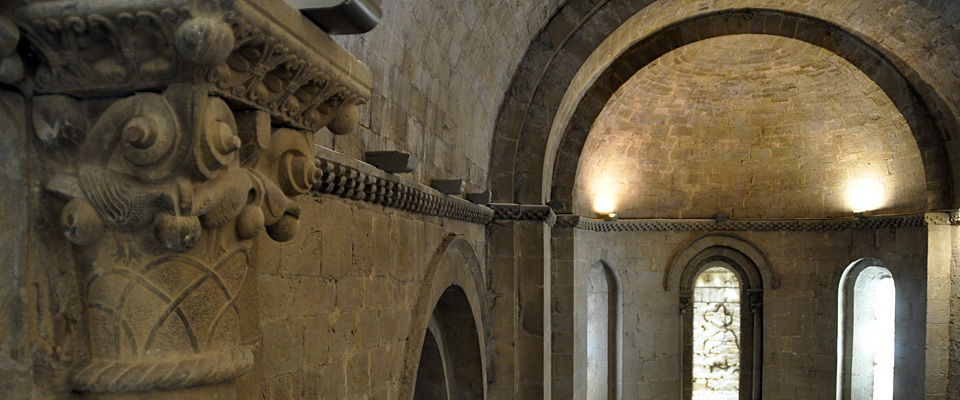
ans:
(524, 212)
(761, 225)
(348, 178)
(171, 134)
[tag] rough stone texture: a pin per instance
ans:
(13, 294)
(520, 287)
(441, 69)
(336, 302)
(750, 126)
(800, 317)
(953, 363)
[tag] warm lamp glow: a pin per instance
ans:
(865, 195)
(604, 203)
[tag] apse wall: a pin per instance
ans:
(799, 317)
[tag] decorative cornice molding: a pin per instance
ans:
(349, 178)
(242, 51)
(795, 225)
(524, 212)
(568, 221)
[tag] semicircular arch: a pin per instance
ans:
(918, 88)
(454, 273)
(753, 266)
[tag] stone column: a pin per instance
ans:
(518, 256)
(172, 133)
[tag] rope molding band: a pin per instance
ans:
(142, 375)
(793, 225)
(349, 178)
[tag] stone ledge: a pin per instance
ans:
(792, 225)
(350, 178)
(523, 212)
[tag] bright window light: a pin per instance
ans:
(882, 338)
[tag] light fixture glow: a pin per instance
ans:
(603, 203)
(608, 216)
(865, 195)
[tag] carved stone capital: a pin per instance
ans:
(174, 131)
(755, 298)
(686, 301)
(163, 193)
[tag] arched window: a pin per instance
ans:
(865, 333)
(716, 334)
(721, 279)
(603, 333)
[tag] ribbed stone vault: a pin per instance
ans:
(754, 126)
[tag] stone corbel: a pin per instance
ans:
(174, 133)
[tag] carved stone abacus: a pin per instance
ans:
(176, 131)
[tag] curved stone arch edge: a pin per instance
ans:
(932, 103)
(465, 273)
(700, 246)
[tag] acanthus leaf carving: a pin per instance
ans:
(111, 49)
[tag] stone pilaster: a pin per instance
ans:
(562, 297)
(519, 254)
(173, 133)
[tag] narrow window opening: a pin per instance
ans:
(885, 298)
(603, 356)
(866, 332)
(716, 335)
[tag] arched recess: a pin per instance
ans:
(604, 332)
(927, 99)
(754, 273)
(433, 370)
(864, 346)
(453, 295)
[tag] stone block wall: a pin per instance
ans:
(336, 302)
(800, 317)
(440, 70)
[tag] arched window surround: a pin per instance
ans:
(615, 327)
(846, 314)
(752, 268)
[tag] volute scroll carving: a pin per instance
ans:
(173, 132)
(163, 193)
